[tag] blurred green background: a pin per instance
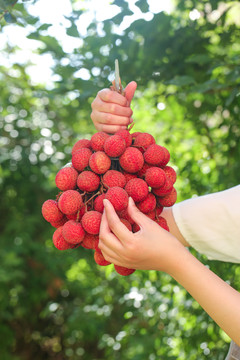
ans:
(54, 58)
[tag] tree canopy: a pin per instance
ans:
(61, 305)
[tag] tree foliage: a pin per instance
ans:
(56, 305)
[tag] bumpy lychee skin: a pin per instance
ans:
(165, 189)
(91, 221)
(98, 203)
(99, 162)
(158, 210)
(125, 134)
(80, 158)
(143, 141)
(59, 242)
(113, 178)
(73, 232)
(168, 200)
(148, 204)
(171, 173)
(59, 223)
(99, 259)
(154, 155)
(90, 241)
(161, 221)
(88, 181)
(166, 156)
(66, 179)
(155, 177)
(82, 143)
(114, 146)
(131, 160)
(137, 189)
(141, 173)
(70, 202)
(51, 211)
(118, 197)
(98, 140)
(126, 223)
(129, 176)
(123, 214)
(123, 270)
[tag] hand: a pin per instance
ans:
(111, 111)
(151, 248)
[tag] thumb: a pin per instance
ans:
(136, 215)
(130, 90)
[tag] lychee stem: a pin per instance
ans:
(92, 197)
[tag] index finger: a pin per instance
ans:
(108, 95)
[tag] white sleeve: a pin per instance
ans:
(211, 224)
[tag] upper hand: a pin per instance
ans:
(111, 111)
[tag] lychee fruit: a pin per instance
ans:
(91, 222)
(59, 242)
(171, 173)
(126, 223)
(141, 173)
(129, 176)
(59, 223)
(73, 232)
(82, 143)
(123, 270)
(124, 215)
(137, 189)
(158, 210)
(90, 241)
(66, 178)
(131, 160)
(143, 141)
(99, 162)
(51, 211)
(161, 221)
(98, 203)
(114, 146)
(154, 155)
(118, 197)
(80, 158)
(148, 204)
(98, 140)
(125, 134)
(155, 177)
(88, 181)
(168, 200)
(165, 189)
(70, 202)
(99, 259)
(113, 178)
(166, 156)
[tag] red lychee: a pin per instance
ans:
(151, 214)
(155, 177)
(91, 221)
(118, 197)
(125, 134)
(98, 203)
(124, 215)
(123, 270)
(99, 259)
(90, 241)
(131, 160)
(59, 223)
(73, 232)
(135, 227)
(82, 143)
(171, 173)
(168, 200)
(165, 189)
(66, 178)
(143, 141)
(70, 202)
(59, 242)
(129, 176)
(137, 189)
(80, 158)
(113, 178)
(51, 211)
(148, 204)
(126, 223)
(98, 140)
(158, 210)
(154, 155)
(141, 173)
(166, 156)
(114, 146)
(88, 181)
(161, 221)
(99, 162)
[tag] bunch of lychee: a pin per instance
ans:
(111, 167)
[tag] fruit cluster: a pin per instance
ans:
(111, 167)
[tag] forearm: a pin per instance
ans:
(217, 298)
(174, 230)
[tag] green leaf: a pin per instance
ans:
(232, 96)
(9, 18)
(200, 59)
(181, 80)
(143, 5)
(72, 30)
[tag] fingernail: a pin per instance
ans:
(130, 200)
